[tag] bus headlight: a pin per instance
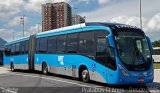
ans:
(124, 72)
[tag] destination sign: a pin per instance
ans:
(126, 26)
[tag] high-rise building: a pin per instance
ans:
(77, 19)
(56, 15)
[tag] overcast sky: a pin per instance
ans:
(121, 11)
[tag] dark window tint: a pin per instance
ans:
(104, 54)
(12, 49)
(17, 48)
(43, 45)
(101, 53)
(101, 33)
(111, 62)
(51, 44)
(72, 43)
(87, 43)
(61, 43)
(7, 50)
(37, 45)
(22, 48)
(26, 46)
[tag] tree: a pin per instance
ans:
(156, 43)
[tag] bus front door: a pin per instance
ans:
(101, 54)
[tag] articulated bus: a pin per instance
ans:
(110, 53)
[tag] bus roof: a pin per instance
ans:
(110, 25)
(96, 25)
(62, 29)
(18, 40)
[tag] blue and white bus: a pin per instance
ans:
(104, 52)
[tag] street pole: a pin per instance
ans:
(140, 4)
(38, 27)
(13, 35)
(22, 22)
(75, 17)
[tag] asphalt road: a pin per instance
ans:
(26, 82)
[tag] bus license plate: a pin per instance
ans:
(141, 80)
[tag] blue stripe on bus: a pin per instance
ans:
(19, 59)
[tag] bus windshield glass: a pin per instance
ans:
(133, 50)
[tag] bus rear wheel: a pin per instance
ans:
(85, 75)
(44, 69)
(12, 67)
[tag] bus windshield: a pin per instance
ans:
(133, 50)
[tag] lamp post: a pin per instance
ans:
(75, 17)
(22, 22)
(38, 27)
(13, 35)
(140, 6)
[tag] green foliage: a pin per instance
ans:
(156, 65)
(156, 43)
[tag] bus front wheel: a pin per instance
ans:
(85, 75)
(12, 67)
(44, 69)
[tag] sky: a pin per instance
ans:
(117, 11)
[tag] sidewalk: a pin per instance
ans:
(155, 86)
(3, 70)
(157, 75)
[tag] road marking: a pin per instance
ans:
(5, 90)
(51, 79)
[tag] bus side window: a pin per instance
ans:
(17, 48)
(22, 48)
(43, 45)
(37, 45)
(101, 54)
(7, 50)
(12, 49)
(72, 43)
(51, 44)
(61, 44)
(26, 47)
(87, 43)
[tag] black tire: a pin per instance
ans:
(12, 67)
(85, 75)
(44, 69)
